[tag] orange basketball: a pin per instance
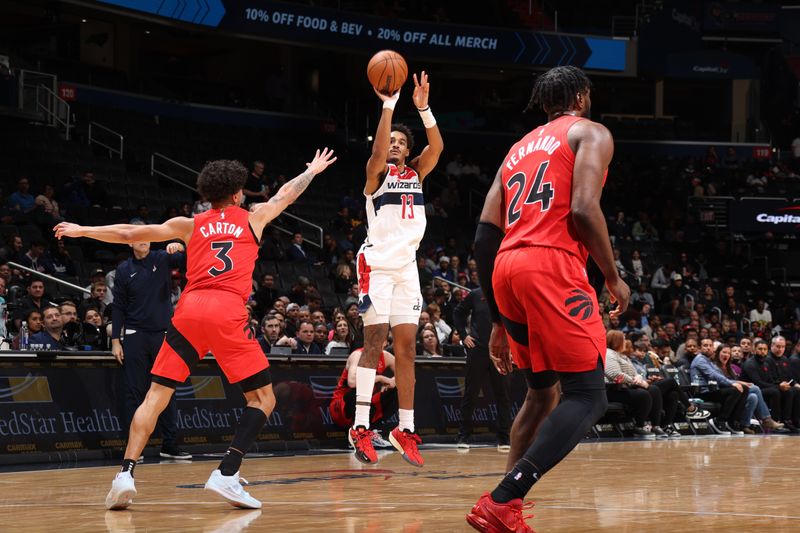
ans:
(387, 71)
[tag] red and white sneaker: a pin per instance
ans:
(406, 443)
(489, 516)
(361, 440)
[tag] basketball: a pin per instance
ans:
(387, 71)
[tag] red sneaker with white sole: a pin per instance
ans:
(489, 516)
(407, 444)
(361, 440)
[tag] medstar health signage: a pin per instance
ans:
(306, 25)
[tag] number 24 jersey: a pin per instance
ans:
(537, 178)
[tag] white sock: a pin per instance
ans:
(365, 383)
(406, 419)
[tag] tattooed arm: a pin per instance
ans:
(262, 214)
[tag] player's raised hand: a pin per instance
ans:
(498, 350)
(620, 294)
(421, 90)
(387, 97)
(67, 229)
(321, 161)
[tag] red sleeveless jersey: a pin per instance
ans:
(342, 387)
(222, 252)
(537, 190)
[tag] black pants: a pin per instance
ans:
(790, 405)
(638, 401)
(140, 351)
(479, 367)
(671, 395)
(732, 402)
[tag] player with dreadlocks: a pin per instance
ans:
(540, 222)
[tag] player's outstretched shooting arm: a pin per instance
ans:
(427, 159)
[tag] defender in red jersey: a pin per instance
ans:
(540, 223)
(222, 246)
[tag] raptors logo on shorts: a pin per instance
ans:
(579, 304)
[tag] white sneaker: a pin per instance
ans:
(378, 441)
(503, 448)
(230, 488)
(123, 489)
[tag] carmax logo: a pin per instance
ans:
(28, 389)
(201, 388)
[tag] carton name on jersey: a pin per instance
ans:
(404, 185)
(220, 228)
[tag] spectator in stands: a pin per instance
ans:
(786, 383)
(69, 317)
(49, 338)
(450, 197)
(755, 404)
(266, 293)
(444, 270)
(93, 332)
(296, 252)
(201, 205)
(424, 318)
(730, 393)
(435, 209)
(34, 301)
(33, 319)
(676, 293)
(626, 386)
(270, 332)
(429, 342)
(22, 201)
(342, 336)
(142, 216)
(442, 328)
(271, 246)
(320, 334)
(255, 190)
(63, 265)
(636, 267)
(455, 167)
(94, 191)
(37, 259)
(356, 325)
(329, 255)
(342, 221)
(344, 278)
(47, 203)
(12, 249)
(643, 229)
(96, 298)
(305, 344)
(760, 318)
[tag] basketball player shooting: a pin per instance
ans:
(388, 282)
(541, 221)
(221, 248)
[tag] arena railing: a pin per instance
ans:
(453, 283)
(49, 277)
(119, 140)
(190, 173)
(55, 108)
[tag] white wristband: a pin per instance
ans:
(390, 103)
(427, 117)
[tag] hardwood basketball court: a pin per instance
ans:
(691, 484)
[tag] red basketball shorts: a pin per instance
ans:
(550, 310)
(210, 321)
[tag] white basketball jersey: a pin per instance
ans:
(396, 220)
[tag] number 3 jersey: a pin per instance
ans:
(537, 190)
(396, 219)
(222, 252)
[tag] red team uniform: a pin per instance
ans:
(338, 406)
(540, 281)
(211, 315)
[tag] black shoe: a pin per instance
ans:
(718, 427)
(462, 442)
(642, 433)
(172, 452)
(791, 427)
(734, 430)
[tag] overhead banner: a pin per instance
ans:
(307, 25)
(742, 16)
(77, 406)
(756, 215)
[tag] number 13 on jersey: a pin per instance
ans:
(407, 201)
(541, 191)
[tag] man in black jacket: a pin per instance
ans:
(761, 370)
(790, 389)
(479, 366)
